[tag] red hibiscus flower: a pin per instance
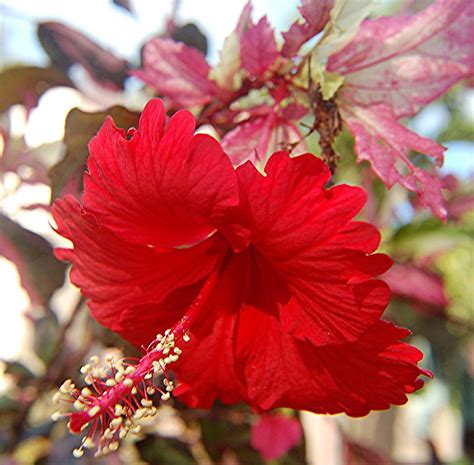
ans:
(267, 273)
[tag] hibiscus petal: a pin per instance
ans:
(408, 61)
(177, 71)
(116, 275)
(382, 140)
(163, 187)
(331, 297)
(328, 306)
(140, 323)
(258, 48)
(372, 373)
(273, 203)
(206, 368)
(357, 235)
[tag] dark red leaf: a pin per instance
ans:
(26, 84)
(125, 4)
(383, 141)
(67, 46)
(190, 35)
(176, 71)
(405, 62)
(29, 164)
(417, 285)
(245, 20)
(258, 48)
(259, 138)
(316, 15)
(459, 205)
(80, 127)
(40, 273)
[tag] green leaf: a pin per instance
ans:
(227, 73)
(329, 82)
(167, 451)
(20, 372)
(344, 22)
(425, 238)
(458, 276)
(46, 335)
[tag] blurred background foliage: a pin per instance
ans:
(432, 279)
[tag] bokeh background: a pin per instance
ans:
(45, 330)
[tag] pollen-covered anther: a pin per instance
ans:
(88, 443)
(116, 423)
(67, 387)
(114, 446)
(158, 367)
(169, 385)
(150, 390)
(84, 427)
(118, 395)
(146, 402)
(78, 452)
(136, 429)
(79, 405)
(57, 397)
(85, 369)
(139, 413)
